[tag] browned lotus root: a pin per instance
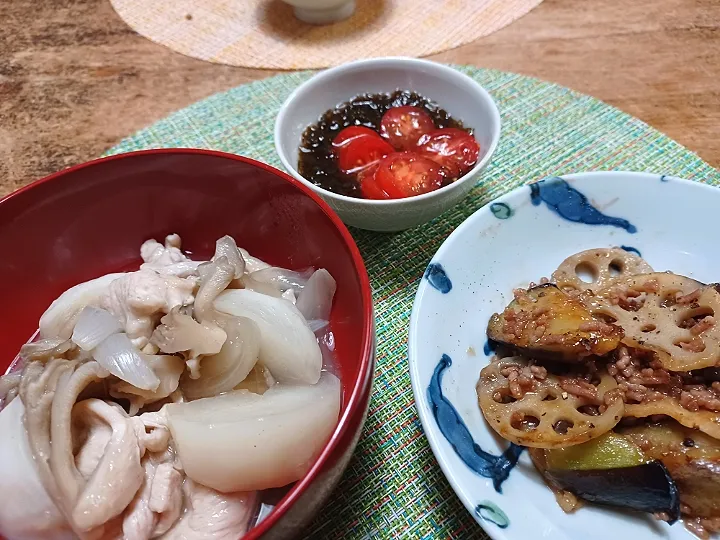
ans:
(706, 421)
(671, 315)
(528, 406)
(605, 265)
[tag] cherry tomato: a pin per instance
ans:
(361, 152)
(454, 149)
(351, 133)
(404, 174)
(403, 126)
(369, 186)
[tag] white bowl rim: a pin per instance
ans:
(322, 76)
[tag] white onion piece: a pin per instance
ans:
(244, 442)
(119, 356)
(282, 279)
(290, 296)
(288, 347)
(26, 512)
(224, 371)
(247, 282)
(167, 368)
(59, 319)
(93, 326)
(226, 247)
(315, 300)
(252, 264)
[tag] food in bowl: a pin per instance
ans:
(609, 373)
(160, 402)
(386, 146)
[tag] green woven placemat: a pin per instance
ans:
(393, 486)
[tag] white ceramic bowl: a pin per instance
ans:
(455, 92)
(521, 237)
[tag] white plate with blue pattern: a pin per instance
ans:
(521, 237)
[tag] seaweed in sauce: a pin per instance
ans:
(316, 158)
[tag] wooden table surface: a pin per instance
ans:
(74, 79)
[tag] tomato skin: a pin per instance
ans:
(349, 134)
(405, 174)
(361, 152)
(454, 149)
(403, 126)
(369, 185)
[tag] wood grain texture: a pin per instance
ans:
(74, 79)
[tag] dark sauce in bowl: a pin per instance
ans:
(317, 161)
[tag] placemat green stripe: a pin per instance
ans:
(393, 486)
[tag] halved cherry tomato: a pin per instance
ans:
(454, 149)
(351, 133)
(369, 186)
(404, 174)
(403, 126)
(361, 152)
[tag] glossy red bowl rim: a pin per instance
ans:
(354, 412)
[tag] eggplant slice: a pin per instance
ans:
(545, 322)
(645, 488)
(691, 457)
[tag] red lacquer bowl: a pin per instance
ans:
(91, 219)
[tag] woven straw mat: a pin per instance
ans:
(266, 34)
(393, 487)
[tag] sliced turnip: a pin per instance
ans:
(27, 511)
(255, 441)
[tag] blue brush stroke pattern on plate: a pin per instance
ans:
(501, 210)
(489, 511)
(572, 205)
(489, 348)
(438, 278)
(631, 249)
(458, 435)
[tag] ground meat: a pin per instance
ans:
(703, 528)
(650, 286)
(641, 378)
(696, 345)
(597, 326)
(567, 501)
(689, 298)
(515, 322)
(625, 297)
(693, 398)
(579, 387)
(540, 373)
(703, 325)
(521, 380)
(543, 281)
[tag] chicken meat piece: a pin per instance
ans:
(118, 476)
(140, 298)
(167, 259)
(213, 515)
